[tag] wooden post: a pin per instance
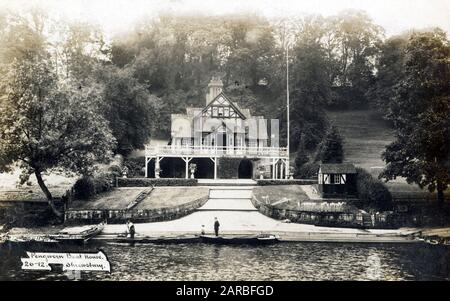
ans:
(146, 167)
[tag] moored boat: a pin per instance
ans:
(157, 240)
(78, 234)
(261, 239)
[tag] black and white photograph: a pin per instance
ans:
(224, 141)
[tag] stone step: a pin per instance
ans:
(226, 182)
(228, 205)
(230, 193)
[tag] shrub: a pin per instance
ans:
(330, 150)
(86, 187)
(146, 182)
(115, 170)
(135, 166)
(372, 192)
(307, 171)
(301, 158)
(103, 182)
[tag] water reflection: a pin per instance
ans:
(287, 261)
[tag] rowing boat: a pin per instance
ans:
(158, 240)
(261, 239)
(78, 234)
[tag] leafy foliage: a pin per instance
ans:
(330, 149)
(420, 115)
(372, 192)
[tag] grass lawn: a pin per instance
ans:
(10, 190)
(276, 193)
(366, 136)
(162, 197)
(118, 198)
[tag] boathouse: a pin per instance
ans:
(219, 141)
(337, 180)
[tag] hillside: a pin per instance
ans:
(365, 137)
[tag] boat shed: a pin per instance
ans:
(337, 180)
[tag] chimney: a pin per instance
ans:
(215, 87)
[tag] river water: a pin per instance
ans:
(284, 261)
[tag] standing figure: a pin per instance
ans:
(130, 227)
(203, 232)
(216, 226)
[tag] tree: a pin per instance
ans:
(420, 152)
(355, 41)
(301, 157)
(390, 66)
(127, 106)
(330, 149)
(48, 125)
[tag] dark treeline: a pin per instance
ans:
(113, 95)
(163, 65)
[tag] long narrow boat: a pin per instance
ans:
(261, 239)
(78, 235)
(158, 240)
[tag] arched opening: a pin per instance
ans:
(245, 170)
(205, 168)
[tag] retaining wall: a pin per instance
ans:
(330, 218)
(136, 215)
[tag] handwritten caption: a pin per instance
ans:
(69, 261)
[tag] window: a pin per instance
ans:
(337, 179)
(220, 111)
(226, 112)
(214, 111)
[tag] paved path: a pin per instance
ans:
(237, 215)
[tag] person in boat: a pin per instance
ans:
(203, 232)
(216, 226)
(130, 227)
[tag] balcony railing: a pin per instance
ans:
(205, 151)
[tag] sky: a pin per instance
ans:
(116, 16)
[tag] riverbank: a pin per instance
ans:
(245, 223)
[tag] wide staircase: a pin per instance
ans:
(226, 182)
(229, 198)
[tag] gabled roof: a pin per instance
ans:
(346, 168)
(230, 103)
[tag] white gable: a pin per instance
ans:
(221, 107)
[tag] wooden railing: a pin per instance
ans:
(236, 151)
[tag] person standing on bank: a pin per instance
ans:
(130, 227)
(216, 226)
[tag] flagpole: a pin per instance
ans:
(287, 108)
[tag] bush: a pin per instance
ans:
(372, 192)
(135, 166)
(146, 182)
(307, 171)
(115, 170)
(86, 187)
(330, 150)
(301, 158)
